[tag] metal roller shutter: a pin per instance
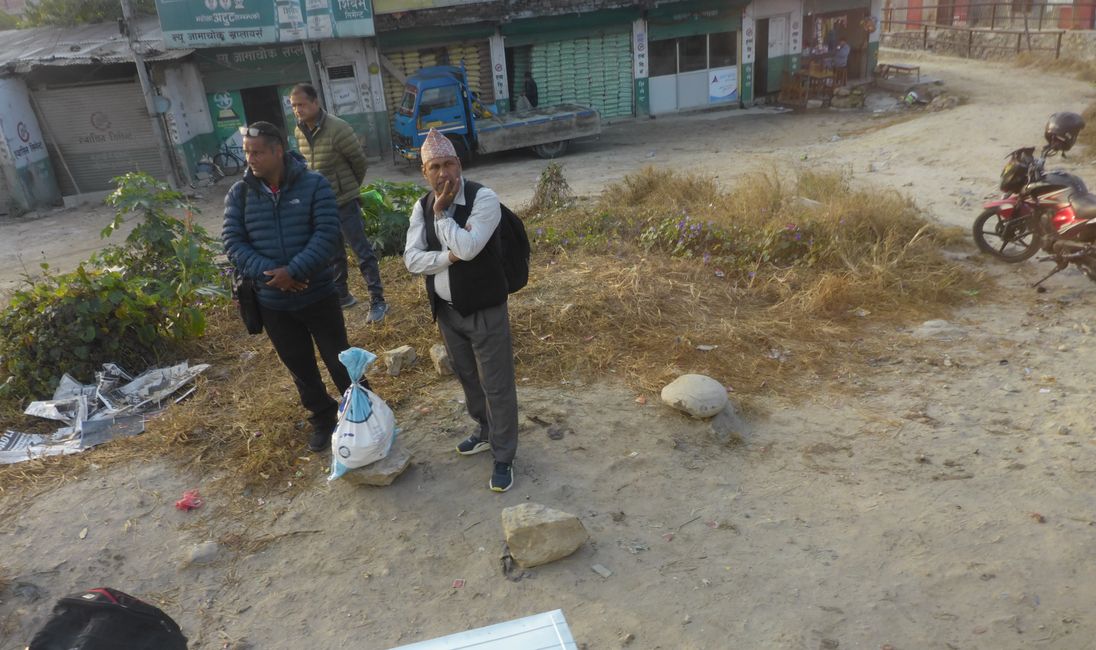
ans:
(594, 71)
(102, 131)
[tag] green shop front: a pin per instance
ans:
(249, 54)
(694, 56)
(251, 84)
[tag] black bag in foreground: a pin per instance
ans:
(247, 301)
(107, 619)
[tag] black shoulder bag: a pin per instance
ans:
(244, 291)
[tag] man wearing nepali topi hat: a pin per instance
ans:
(453, 241)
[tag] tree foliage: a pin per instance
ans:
(66, 13)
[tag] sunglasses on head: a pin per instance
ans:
(254, 132)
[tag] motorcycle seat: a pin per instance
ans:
(1084, 205)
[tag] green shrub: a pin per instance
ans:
(127, 304)
(386, 208)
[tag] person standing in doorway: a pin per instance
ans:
(841, 53)
(331, 148)
(453, 241)
(281, 227)
(530, 90)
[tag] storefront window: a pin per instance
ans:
(694, 53)
(663, 57)
(723, 49)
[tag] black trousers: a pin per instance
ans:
(294, 333)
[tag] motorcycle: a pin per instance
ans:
(1052, 211)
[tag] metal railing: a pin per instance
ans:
(1019, 14)
(1037, 26)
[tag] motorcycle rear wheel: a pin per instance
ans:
(1009, 240)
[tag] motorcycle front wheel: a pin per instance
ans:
(1009, 240)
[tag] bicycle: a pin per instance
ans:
(228, 161)
(206, 173)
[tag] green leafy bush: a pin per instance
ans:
(127, 304)
(386, 208)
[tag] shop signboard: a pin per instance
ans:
(722, 85)
(227, 111)
(641, 67)
(222, 23)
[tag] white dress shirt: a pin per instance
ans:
(465, 242)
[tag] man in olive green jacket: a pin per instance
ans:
(331, 147)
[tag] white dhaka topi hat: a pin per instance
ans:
(436, 145)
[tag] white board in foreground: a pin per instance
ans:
(547, 631)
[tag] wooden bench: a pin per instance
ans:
(889, 70)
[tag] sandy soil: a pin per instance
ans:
(939, 497)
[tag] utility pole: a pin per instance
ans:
(164, 147)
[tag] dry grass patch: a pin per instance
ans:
(781, 275)
(1083, 70)
(1088, 134)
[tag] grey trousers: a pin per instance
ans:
(482, 355)
(353, 233)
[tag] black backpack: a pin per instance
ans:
(107, 619)
(511, 229)
(515, 249)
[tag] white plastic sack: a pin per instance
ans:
(366, 425)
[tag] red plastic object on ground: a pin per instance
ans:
(191, 500)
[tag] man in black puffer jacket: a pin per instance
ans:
(281, 228)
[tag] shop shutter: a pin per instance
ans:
(477, 63)
(103, 131)
(595, 71)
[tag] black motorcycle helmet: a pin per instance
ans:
(1062, 129)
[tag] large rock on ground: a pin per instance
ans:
(698, 395)
(398, 359)
(384, 471)
(537, 534)
(440, 356)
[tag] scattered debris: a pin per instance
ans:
(601, 571)
(398, 359)
(191, 501)
(114, 406)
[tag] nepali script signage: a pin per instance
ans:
(222, 23)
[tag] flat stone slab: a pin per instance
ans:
(384, 471)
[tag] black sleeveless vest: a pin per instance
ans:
(478, 283)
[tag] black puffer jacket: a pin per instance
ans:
(298, 229)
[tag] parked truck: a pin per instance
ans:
(438, 97)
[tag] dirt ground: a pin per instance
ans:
(941, 496)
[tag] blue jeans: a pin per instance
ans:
(353, 233)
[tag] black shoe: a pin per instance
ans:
(348, 301)
(472, 445)
(502, 479)
(320, 439)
